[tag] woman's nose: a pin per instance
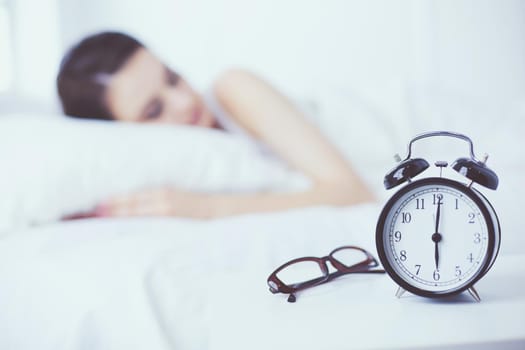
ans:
(180, 103)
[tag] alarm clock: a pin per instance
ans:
(437, 236)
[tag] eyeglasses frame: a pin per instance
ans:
(365, 266)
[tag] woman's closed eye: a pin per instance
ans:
(153, 110)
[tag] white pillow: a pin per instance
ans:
(52, 167)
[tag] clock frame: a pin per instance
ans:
(384, 236)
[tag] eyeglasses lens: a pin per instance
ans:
(349, 256)
(300, 272)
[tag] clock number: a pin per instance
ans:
(471, 217)
(457, 203)
(438, 199)
(477, 238)
(418, 267)
(406, 218)
(403, 255)
(470, 258)
(436, 275)
(420, 203)
(397, 236)
(458, 271)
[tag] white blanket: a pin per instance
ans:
(151, 283)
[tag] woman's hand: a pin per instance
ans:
(167, 201)
(163, 201)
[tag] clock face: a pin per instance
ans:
(436, 237)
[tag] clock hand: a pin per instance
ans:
(438, 213)
(436, 254)
(436, 237)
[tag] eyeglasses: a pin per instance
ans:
(307, 272)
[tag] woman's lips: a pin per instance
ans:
(196, 116)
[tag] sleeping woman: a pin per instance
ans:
(112, 76)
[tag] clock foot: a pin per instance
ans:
(400, 292)
(474, 294)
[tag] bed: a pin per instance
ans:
(172, 283)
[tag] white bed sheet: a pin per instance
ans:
(164, 283)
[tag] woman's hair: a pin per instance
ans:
(85, 71)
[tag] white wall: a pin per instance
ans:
(36, 48)
(471, 46)
(479, 46)
(474, 47)
(293, 42)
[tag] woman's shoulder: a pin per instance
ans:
(235, 74)
(232, 81)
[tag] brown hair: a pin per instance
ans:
(86, 69)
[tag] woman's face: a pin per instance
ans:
(145, 90)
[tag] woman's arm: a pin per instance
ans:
(273, 119)
(172, 202)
